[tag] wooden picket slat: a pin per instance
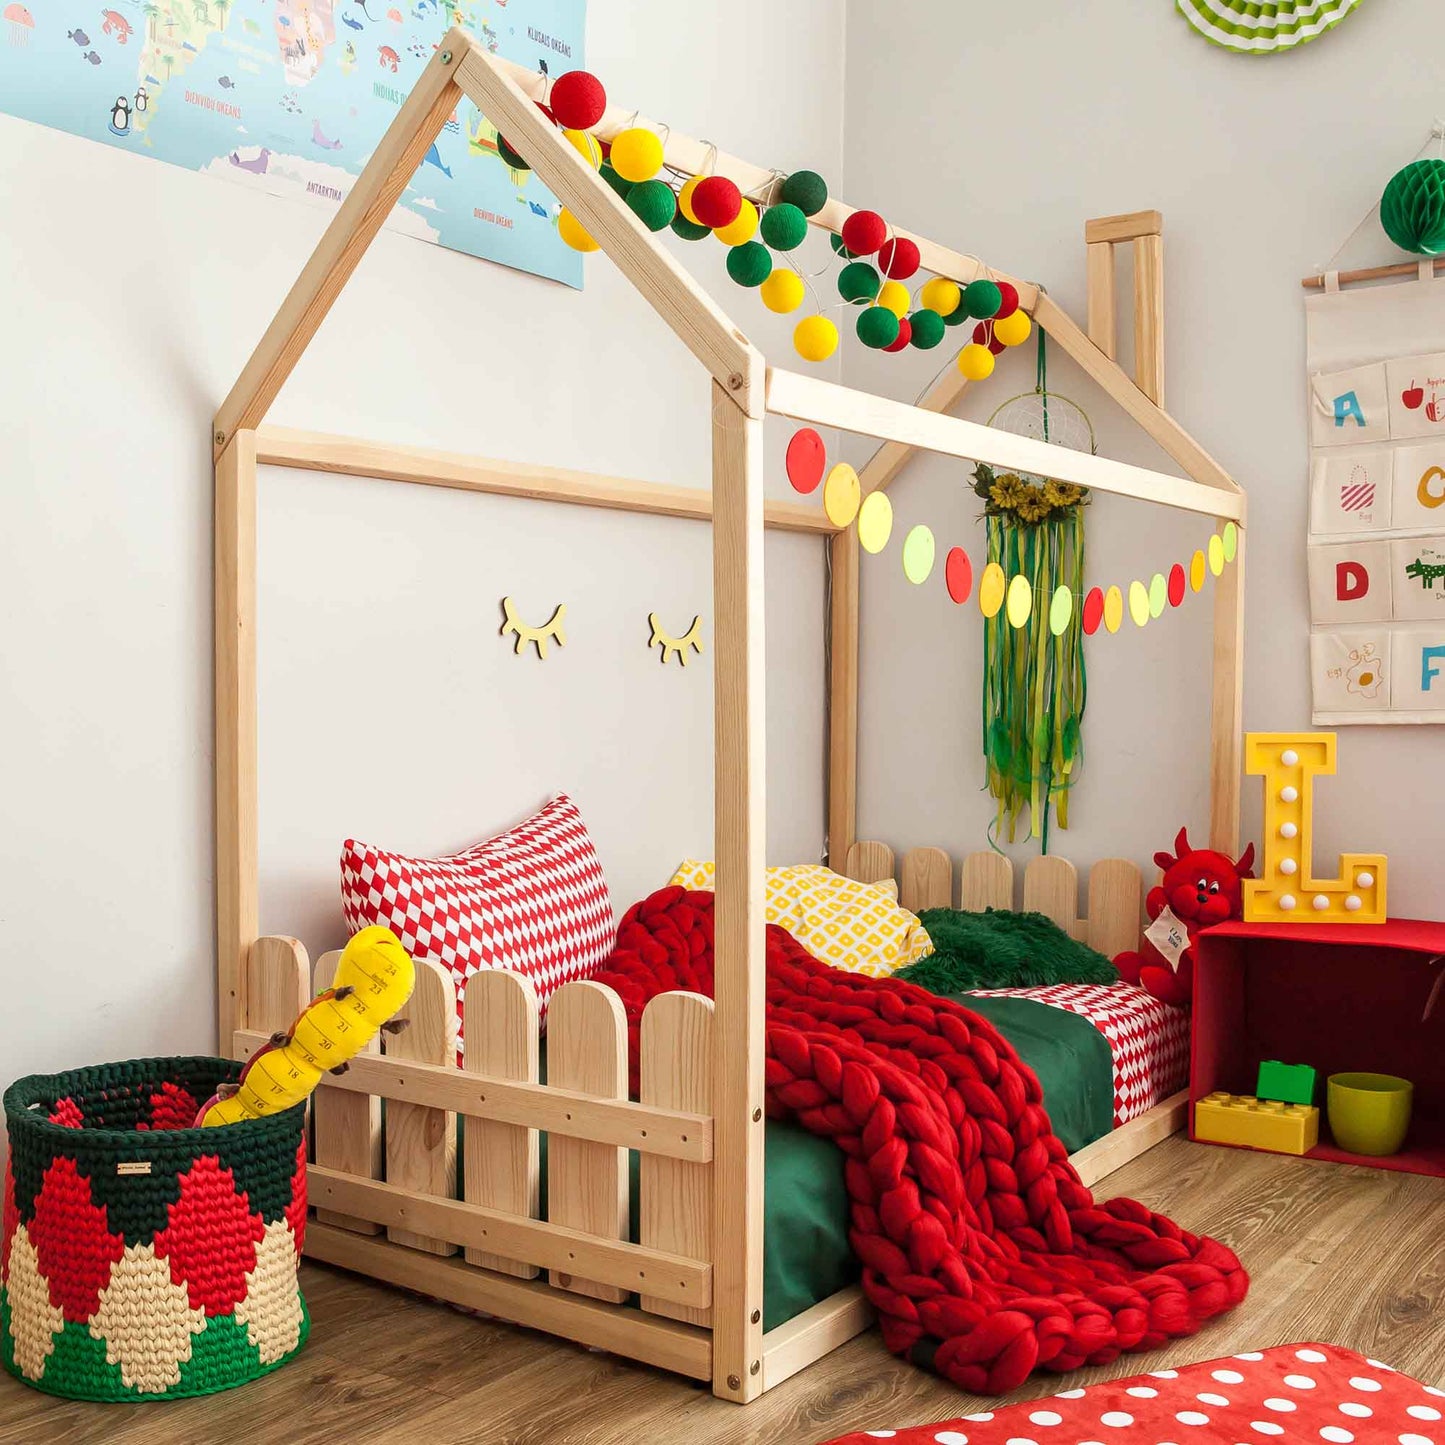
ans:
(421, 1143)
(987, 882)
(347, 1127)
(1116, 892)
(676, 1197)
(926, 880)
(870, 862)
(587, 1185)
(1051, 887)
(500, 1164)
(277, 987)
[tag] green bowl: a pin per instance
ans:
(1369, 1113)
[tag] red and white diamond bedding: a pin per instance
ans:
(1149, 1040)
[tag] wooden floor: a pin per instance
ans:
(1341, 1254)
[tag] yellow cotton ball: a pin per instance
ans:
(976, 362)
(1013, 330)
(684, 199)
(586, 145)
(782, 291)
(742, 230)
(894, 295)
(941, 295)
(636, 154)
(570, 230)
(815, 338)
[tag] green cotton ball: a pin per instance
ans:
(806, 190)
(959, 314)
(784, 227)
(839, 249)
(927, 329)
(620, 184)
(1412, 210)
(653, 203)
(750, 264)
(877, 327)
(689, 230)
(510, 156)
(858, 281)
(982, 299)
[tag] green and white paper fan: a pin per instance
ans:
(1262, 29)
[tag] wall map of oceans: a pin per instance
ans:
(292, 96)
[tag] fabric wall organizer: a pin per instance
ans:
(1376, 361)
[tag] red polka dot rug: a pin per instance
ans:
(1288, 1395)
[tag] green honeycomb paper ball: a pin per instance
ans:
(858, 281)
(784, 227)
(654, 204)
(982, 299)
(927, 329)
(1412, 210)
(689, 230)
(877, 327)
(806, 190)
(750, 264)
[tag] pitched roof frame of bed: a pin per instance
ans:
(258, 980)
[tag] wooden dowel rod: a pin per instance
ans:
(1373, 273)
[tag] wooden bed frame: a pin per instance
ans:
(698, 1126)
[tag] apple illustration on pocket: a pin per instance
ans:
(1412, 396)
(1436, 409)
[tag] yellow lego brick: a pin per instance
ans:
(1222, 1118)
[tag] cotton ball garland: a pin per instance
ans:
(858, 281)
(571, 232)
(1412, 210)
(983, 336)
(899, 258)
(1010, 302)
(716, 201)
(742, 229)
(878, 327)
(975, 362)
(959, 314)
(684, 198)
(1012, 330)
(784, 227)
(587, 146)
(839, 249)
(636, 154)
(609, 174)
(511, 157)
(982, 298)
(782, 291)
(864, 232)
(806, 190)
(941, 295)
(894, 295)
(927, 328)
(815, 338)
(688, 230)
(750, 264)
(905, 335)
(653, 203)
(578, 100)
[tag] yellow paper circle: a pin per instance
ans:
(782, 291)
(1013, 330)
(918, 554)
(1216, 554)
(636, 154)
(990, 590)
(1020, 600)
(684, 198)
(1061, 609)
(815, 338)
(840, 495)
(1158, 594)
(1231, 541)
(587, 146)
(875, 521)
(894, 295)
(735, 233)
(1138, 603)
(1113, 609)
(1196, 571)
(941, 295)
(571, 232)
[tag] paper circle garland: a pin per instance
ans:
(688, 230)
(784, 227)
(1113, 609)
(976, 362)
(877, 327)
(510, 156)
(1412, 210)
(684, 198)
(905, 335)
(636, 154)
(1216, 554)
(653, 203)
(1093, 611)
(1158, 594)
(806, 190)
(1010, 302)
(864, 232)
(1196, 571)
(742, 229)
(1020, 600)
(957, 574)
(941, 295)
(783, 290)
(815, 338)
(982, 298)
(991, 590)
(1230, 541)
(1139, 603)
(569, 228)
(577, 99)
(804, 460)
(875, 522)
(587, 146)
(858, 281)
(841, 495)
(1176, 585)
(927, 328)
(894, 295)
(918, 554)
(1061, 610)
(899, 258)
(716, 201)
(1012, 330)
(750, 264)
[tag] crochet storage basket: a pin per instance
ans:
(144, 1258)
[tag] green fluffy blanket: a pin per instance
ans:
(1001, 949)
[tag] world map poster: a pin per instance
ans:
(291, 97)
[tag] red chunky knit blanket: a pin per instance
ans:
(984, 1255)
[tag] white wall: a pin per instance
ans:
(999, 129)
(135, 292)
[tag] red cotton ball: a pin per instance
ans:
(899, 258)
(578, 100)
(1010, 302)
(905, 335)
(983, 336)
(864, 232)
(716, 202)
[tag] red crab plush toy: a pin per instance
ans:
(1200, 887)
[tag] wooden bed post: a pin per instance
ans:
(842, 696)
(740, 820)
(235, 710)
(1227, 712)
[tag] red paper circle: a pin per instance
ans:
(578, 100)
(864, 232)
(806, 458)
(905, 335)
(958, 574)
(1176, 585)
(1093, 610)
(716, 201)
(1010, 303)
(899, 258)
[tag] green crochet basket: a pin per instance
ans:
(143, 1258)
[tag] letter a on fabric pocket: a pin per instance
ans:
(1349, 407)
(1350, 582)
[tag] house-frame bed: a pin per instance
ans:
(699, 1124)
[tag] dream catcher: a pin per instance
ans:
(1033, 678)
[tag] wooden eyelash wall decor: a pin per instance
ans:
(550, 631)
(692, 638)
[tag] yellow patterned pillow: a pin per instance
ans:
(852, 925)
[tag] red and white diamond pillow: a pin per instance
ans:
(533, 900)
